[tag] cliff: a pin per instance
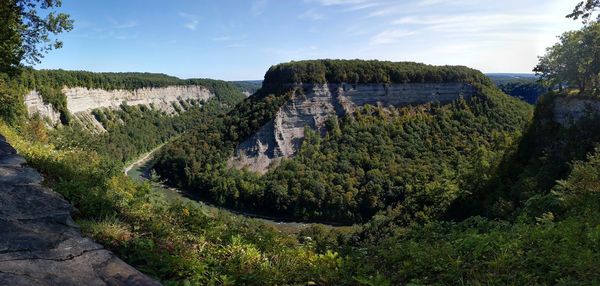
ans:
(312, 104)
(40, 244)
(82, 101)
(568, 110)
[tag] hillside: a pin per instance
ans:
(400, 135)
(534, 222)
(120, 115)
(524, 86)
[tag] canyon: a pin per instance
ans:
(82, 101)
(312, 104)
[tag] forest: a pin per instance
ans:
(416, 158)
(51, 82)
(361, 71)
(481, 191)
(526, 87)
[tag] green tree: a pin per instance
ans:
(574, 60)
(26, 30)
(585, 10)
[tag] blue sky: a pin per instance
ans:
(236, 40)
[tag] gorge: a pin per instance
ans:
(81, 101)
(312, 104)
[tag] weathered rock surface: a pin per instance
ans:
(312, 104)
(82, 101)
(35, 105)
(568, 110)
(39, 242)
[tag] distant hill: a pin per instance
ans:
(248, 86)
(524, 86)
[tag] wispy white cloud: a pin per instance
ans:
(351, 5)
(390, 36)
(191, 21)
(471, 23)
(192, 25)
(339, 2)
(311, 14)
(363, 6)
(258, 7)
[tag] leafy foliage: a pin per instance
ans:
(178, 242)
(359, 71)
(525, 87)
(25, 33)
(574, 61)
(586, 10)
(51, 82)
(417, 159)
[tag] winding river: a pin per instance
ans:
(140, 169)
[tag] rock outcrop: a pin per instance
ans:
(312, 104)
(82, 101)
(35, 105)
(39, 242)
(568, 110)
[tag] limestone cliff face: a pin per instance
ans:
(568, 110)
(312, 104)
(35, 105)
(82, 101)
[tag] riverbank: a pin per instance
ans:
(139, 170)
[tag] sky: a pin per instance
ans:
(241, 39)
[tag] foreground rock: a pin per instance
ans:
(39, 242)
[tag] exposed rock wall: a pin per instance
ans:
(567, 110)
(312, 104)
(82, 101)
(39, 242)
(35, 105)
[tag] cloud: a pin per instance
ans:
(471, 23)
(311, 14)
(191, 21)
(390, 36)
(258, 7)
(339, 2)
(352, 5)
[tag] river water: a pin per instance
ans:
(140, 169)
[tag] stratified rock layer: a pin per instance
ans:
(39, 242)
(35, 105)
(82, 101)
(568, 110)
(312, 104)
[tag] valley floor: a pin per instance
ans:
(140, 170)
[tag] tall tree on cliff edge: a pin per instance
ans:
(27, 28)
(575, 59)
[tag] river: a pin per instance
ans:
(140, 169)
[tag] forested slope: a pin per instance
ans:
(414, 158)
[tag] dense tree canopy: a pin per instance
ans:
(359, 71)
(414, 158)
(26, 30)
(574, 61)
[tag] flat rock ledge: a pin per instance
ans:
(40, 244)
